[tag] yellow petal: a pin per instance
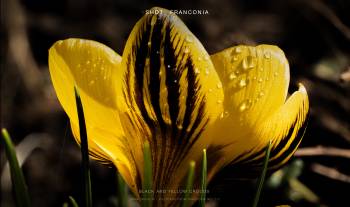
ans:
(255, 82)
(93, 68)
(172, 92)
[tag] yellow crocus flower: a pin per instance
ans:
(167, 90)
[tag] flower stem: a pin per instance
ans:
(203, 179)
(262, 175)
(147, 195)
(122, 192)
(84, 151)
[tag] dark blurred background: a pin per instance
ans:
(314, 34)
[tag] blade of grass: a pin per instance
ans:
(262, 175)
(203, 180)
(122, 192)
(18, 182)
(73, 202)
(147, 195)
(189, 185)
(84, 150)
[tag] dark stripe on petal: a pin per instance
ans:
(298, 137)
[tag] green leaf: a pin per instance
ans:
(73, 202)
(262, 175)
(189, 185)
(203, 192)
(84, 151)
(122, 192)
(18, 182)
(147, 195)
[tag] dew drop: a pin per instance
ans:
(242, 83)
(248, 62)
(104, 77)
(260, 80)
(149, 44)
(275, 74)
(196, 71)
(261, 69)
(243, 106)
(261, 94)
(91, 82)
(207, 71)
(189, 39)
(254, 78)
(175, 81)
(238, 49)
(206, 57)
(219, 85)
(235, 58)
(168, 66)
(88, 62)
(94, 65)
(200, 59)
(210, 90)
(219, 101)
(267, 55)
(232, 76)
(187, 50)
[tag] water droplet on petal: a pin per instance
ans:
(175, 81)
(149, 44)
(88, 62)
(238, 49)
(206, 57)
(267, 55)
(261, 69)
(187, 50)
(168, 66)
(104, 77)
(248, 62)
(189, 39)
(243, 106)
(261, 94)
(275, 74)
(260, 80)
(210, 90)
(219, 101)
(91, 82)
(242, 83)
(207, 71)
(219, 85)
(196, 71)
(232, 76)
(235, 58)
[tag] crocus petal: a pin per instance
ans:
(255, 81)
(172, 92)
(93, 69)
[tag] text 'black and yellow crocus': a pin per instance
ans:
(167, 90)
